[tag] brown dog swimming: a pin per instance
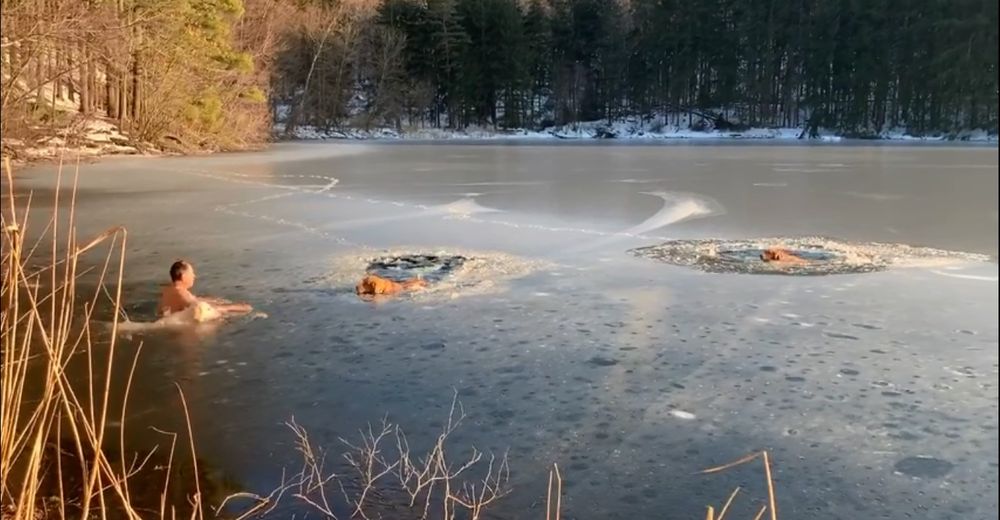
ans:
(374, 285)
(784, 256)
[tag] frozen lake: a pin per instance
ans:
(876, 393)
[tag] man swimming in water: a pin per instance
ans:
(177, 296)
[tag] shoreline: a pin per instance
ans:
(625, 131)
(91, 153)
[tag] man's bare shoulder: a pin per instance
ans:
(174, 299)
(177, 292)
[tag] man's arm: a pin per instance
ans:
(225, 306)
(234, 308)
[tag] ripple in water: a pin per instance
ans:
(824, 256)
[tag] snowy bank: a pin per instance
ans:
(85, 137)
(628, 129)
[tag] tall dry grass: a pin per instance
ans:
(432, 484)
(47, 418)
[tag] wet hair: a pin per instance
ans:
(177, 270)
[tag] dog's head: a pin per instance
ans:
(773, 254)
(372, 284)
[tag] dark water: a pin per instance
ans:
(431, 268)
(876, 393)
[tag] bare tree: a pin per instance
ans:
(381, 75)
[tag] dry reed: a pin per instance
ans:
(45, 324)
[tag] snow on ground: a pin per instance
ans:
(310, 133)
(85, 138)
(632, 128)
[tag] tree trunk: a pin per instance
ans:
(300, 106)
(121, 78)
(122, 97)
(51, 60)
(92, 77)
(136, 87)
(84, 80)
(110, 95)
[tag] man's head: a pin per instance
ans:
(182, 273)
